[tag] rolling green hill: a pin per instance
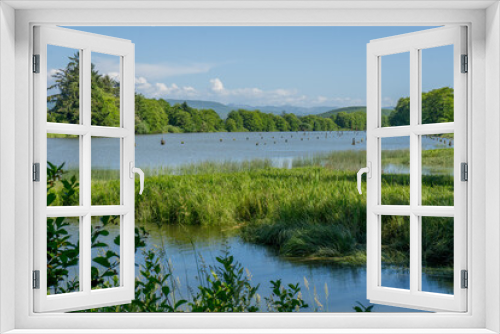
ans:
(348, 110)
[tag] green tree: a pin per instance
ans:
(281, 124)
(231, 125)
(183, 120)
(66, 101)
(293, 121)
(401, 114)
(237, 118)
(437, 106)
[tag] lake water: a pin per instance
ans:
(182, 246)
(187, 247)
(189, 148)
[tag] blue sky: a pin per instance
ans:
(300, 66)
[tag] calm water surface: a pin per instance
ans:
(189, 148)
(186, 248)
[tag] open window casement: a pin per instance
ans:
(417, 211)
(84, 213)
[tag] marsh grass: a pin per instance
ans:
(312, 210)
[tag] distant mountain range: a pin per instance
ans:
(223, 110)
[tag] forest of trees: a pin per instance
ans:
(158, 116)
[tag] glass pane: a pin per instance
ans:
(437, 85)
(63, 255)
(105, 171)
(437, 254)
(437, 169)
(63, 170)
(63, 85)
(105, 252)
(395, 90)
(395, 171)
(105, 89)
(396, 252)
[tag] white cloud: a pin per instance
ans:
(142, 84)
(51, 80)
(217, 91)
(216, 86)
(163, 90)
(114, 75)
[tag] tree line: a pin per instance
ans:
(159, 116)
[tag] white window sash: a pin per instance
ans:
(86, 43)
(414, 297)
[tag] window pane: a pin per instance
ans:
(395, 171)
(437, 84)
(437, 254)
(63, 85)
(105, 89)
(396, 252)
(395, 91)
(105, 252)
(437, 169)
(105, 171)
(63, 170)
(63, 255)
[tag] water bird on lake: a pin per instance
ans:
(256, 144)
(182, 143)
(162, 141)
(220, 140)
(286, 140)
(450, 143)
(353, 141)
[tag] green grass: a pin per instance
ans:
(310, 211)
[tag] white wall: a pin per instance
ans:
(486, 101)
(7, 158)
(492, 165)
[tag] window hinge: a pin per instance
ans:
(465, 64)
(36, 279)
(465, 279)
(36, 63)
(36, 172)
(464, 171)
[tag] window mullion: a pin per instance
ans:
(415, 266)
(85, 181)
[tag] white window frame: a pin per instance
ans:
(483, 310)
(413, 44)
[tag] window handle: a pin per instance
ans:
(368, 171)
(133, 170)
